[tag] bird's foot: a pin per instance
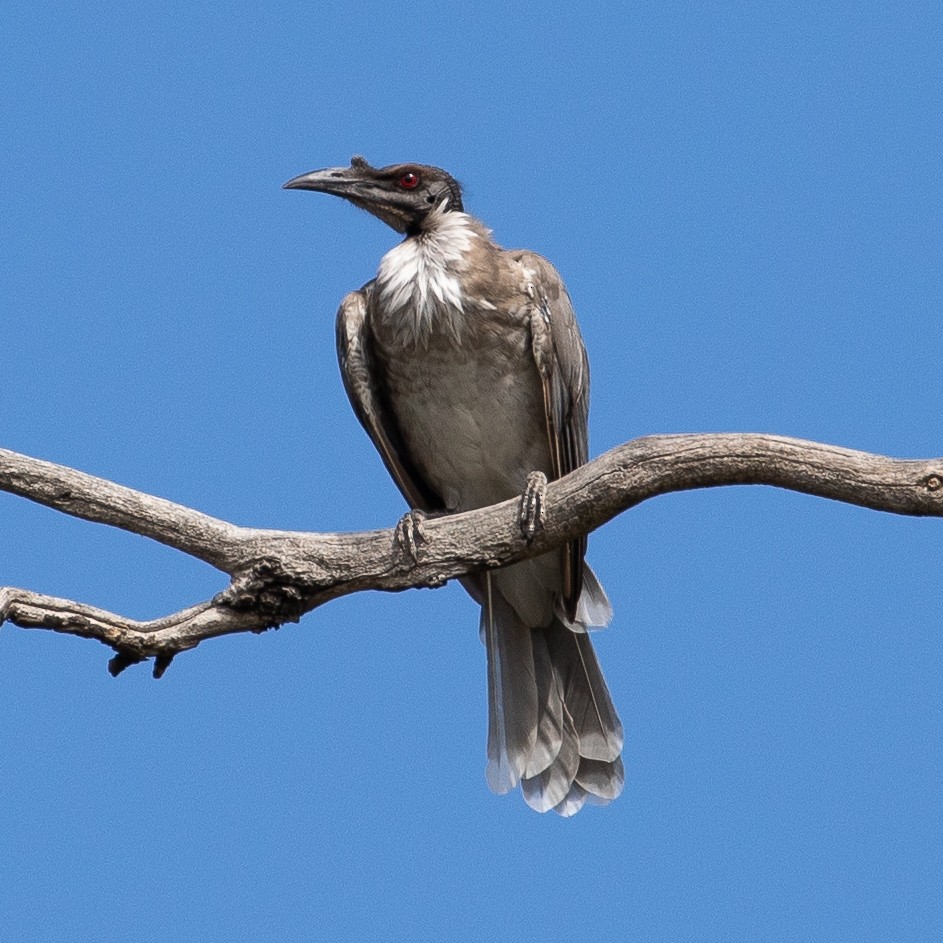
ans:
(531, 519)
(409, 534)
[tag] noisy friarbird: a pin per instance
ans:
(464, 363)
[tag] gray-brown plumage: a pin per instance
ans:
(464, 363)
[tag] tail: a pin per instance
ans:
(552, 726)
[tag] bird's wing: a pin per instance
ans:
(363, 381)
(564, 370)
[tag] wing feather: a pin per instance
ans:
(560, 357)
(363, 381)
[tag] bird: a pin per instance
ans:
(464, 363)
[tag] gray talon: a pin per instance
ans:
(532, 505)
(410, 533)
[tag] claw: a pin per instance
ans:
(532, 505)
(410, 533)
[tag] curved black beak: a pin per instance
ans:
(361, 185)
(337, 180)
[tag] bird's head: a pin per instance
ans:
(402, 195)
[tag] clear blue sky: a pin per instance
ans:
(745, 201)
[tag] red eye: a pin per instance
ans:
(409, 181)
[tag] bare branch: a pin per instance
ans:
(277, 576)
(96, 499)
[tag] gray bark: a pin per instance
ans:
(278, 576)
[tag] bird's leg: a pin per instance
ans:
(409, 534)
(531, 517)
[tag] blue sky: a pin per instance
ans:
(744, 200)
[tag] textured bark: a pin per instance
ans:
(277, 576)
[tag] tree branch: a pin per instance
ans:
(104, 502)
(277, 576)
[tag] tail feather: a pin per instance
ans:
(547, 789)
(602, 780)
(585, 694)
(512, 694)
(552, 726)
(551, 713)
(572, 802)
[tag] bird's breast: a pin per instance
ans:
(471, 412)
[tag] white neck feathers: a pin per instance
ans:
(419, 281)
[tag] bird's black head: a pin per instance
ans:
(402, 195)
